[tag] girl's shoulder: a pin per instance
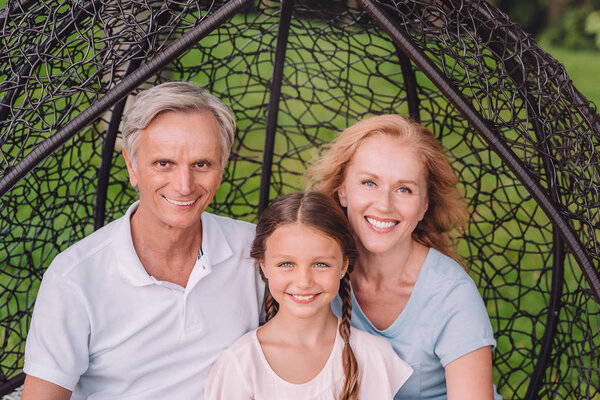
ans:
(378, 362)
(243, 347)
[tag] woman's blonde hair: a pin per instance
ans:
(447, 209)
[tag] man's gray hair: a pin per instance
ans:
(178, 97)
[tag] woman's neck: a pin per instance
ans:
(397, 264)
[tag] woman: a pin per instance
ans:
(398, 189)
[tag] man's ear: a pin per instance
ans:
(130, 168)
(341, 192)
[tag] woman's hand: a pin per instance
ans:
(470, 376)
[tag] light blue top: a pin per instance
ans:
(444, 319)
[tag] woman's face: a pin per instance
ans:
(385, 193)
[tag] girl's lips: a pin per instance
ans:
(381, 224)
(303, 298)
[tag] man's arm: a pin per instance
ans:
(36, 389)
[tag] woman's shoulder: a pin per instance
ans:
(444, 268)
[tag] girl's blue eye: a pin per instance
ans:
(285, 264)
(321, 265)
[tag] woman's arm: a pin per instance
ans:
(470, 376)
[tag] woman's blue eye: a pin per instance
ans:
(369, 183)
(404, 190)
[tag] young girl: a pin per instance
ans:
(306, 251)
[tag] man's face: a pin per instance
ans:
(177, 169)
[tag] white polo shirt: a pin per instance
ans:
(105, 329)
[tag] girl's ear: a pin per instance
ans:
(345, 268)
(263, 269)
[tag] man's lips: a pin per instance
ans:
(180, 203)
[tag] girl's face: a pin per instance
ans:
(303, 267)
(385, 193)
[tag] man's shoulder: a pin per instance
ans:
(83, 252)
(228, 224)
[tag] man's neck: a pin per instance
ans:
(167, 253)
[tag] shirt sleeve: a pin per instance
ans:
(56, 349)
(463, 324)
(382, 371)
(226, 381)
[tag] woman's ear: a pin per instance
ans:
(425, 208)
(341, 192)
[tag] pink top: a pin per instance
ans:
(242, 372)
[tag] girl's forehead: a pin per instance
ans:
(295, 235)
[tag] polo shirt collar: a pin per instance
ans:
(215, 244)
(130, 266)
(215, 247)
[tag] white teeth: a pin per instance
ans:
(380, 224)
(297, 296)
(180, 203)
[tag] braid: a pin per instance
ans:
(271, 306)
(350, 390)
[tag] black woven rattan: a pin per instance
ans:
(523, 140)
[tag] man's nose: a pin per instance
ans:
(183, 181)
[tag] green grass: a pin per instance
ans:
(583, 67)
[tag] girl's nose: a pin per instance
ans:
(304, 276)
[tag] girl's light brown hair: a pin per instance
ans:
(318, 211)
(447, 210)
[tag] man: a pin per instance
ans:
(141, 308)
